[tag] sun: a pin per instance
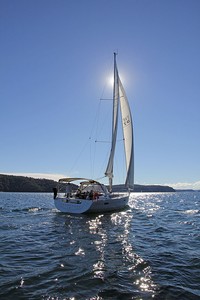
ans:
(110, 80)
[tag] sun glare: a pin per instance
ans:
(111, 80)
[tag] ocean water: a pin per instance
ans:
(149, 251)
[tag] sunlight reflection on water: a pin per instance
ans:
(128, 265)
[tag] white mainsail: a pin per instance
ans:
(119, 95)
(109, 169)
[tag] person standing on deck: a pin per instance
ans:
(68, 190)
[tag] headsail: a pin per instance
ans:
(127, 125)
(119, 95)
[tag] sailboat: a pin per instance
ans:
(83, 195)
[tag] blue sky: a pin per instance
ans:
(55, 60)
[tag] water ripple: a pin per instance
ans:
(150, 250)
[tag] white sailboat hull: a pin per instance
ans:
(79, 206)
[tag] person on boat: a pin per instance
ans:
(95, 195)
(68, 190)
(91, 194)
(55, 192)
(78, 193)
(83, 195)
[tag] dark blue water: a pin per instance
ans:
(149, 251)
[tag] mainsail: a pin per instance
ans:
(109, 169)
(119, 96)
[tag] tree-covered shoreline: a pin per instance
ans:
(13, 183)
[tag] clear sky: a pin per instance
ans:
(55, 58)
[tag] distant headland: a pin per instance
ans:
(11, 183)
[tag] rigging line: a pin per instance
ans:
(96, 127)
(77, 159)
(108, 67)
(95, 131)
(95, 119)
(91, 170)
(99, 178)
(102, 166)
(99, 129)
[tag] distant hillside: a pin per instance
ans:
(189, 190)
(11, 183)
(145, 188)
(153, 188)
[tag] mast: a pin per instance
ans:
(109, 169)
